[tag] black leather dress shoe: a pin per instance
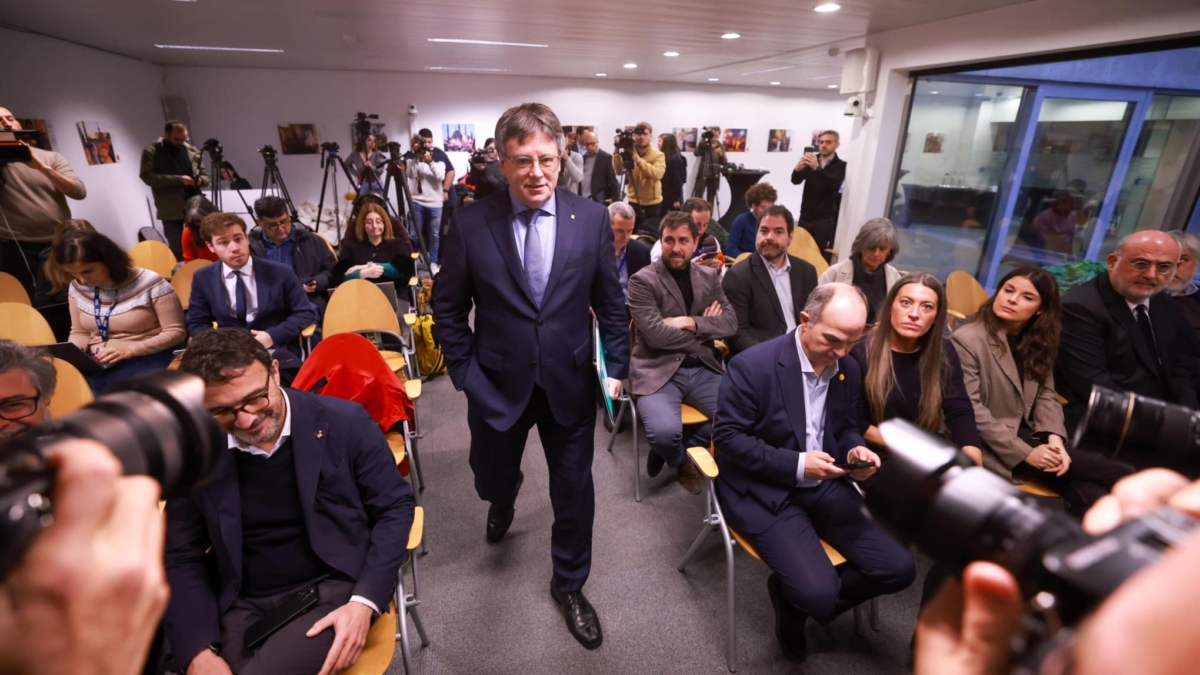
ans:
(500, 518)
(654, 463)
(582, 620)
(789, 623)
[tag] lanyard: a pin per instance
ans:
(621, 265)
(102, 324)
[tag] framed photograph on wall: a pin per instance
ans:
(779, 140)
(458, 137)
(686, 137)
(934, 141)
(299, 139)
(734, 140)
(96, 138)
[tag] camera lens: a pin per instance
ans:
(1140, 429)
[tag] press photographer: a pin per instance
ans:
(711, 152)
(33, 201)
(425, 181)
(174, 170)
(645, 165)
(485, 174)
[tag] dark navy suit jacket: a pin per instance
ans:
(514, 341)
(760, 429)
(357, 507)
(283, 307)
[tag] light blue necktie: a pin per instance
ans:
(535, 262)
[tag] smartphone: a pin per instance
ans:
(708, 256)
(851, 466)
(810, 150)
(272, 621)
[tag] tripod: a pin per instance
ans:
(396, 178)
(708, 167)
(272, 182)
(330, 161)
(217, 154)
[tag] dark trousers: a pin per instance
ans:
(129, 368)
(822, 231)
(173, 229)
(287, 652)
(875, 564)
(710, 192)
(647, 218)
(694, 385)
(21, 259)
(496, 461)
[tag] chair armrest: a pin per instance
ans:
(703, 461)
(395, 441)
(412, 281)
(414, 255)
(308, 332)
(413, 389)
(418, 528)
(410, 318)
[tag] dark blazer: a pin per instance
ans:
(822, 195)
(1101, 344)
(283, 307)
(311, 259)
(637, 256)
(760, 429)
(357, 509)
(760, 315)
(515, 343)
(604, 179)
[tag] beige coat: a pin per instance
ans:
(1001, 401)
(843, 273)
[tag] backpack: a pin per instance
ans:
(430, 361)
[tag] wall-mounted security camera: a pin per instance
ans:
(854, 107)
(412, 110)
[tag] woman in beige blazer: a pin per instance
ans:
(1007, 356)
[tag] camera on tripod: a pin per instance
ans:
(710, 133)
(268, 153)
(330, 148)
(624, 144)
(362, 125)
(213, 147)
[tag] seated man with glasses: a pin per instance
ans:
(307, 503)
(1119, 331)
(27, 380)
(277, 239)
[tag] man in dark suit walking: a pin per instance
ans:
(248, 292)
(1119, 331)
(788, 412)
(599, 180)
(532, 262)
(769, 288)
(306, 499)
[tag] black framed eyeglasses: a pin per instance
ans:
(251, 406)
(14, 409)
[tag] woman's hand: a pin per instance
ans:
(109, 354)
(1046, 458)
(371, 271)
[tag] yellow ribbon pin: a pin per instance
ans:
(841, 377)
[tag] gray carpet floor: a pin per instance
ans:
(487, 608)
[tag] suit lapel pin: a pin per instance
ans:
(320, 433)
(841, 377)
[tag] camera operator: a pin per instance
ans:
(822, 173)
(33, 202)
(486, 175)
(644, 187)
(712, 139)
(425, 176)
(174, 170)
(366, 154)
(1147, 626)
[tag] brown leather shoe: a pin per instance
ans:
(690, 478)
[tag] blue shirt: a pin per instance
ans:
(545, 222)
(816, 389)
(741, 235)
(284, 252)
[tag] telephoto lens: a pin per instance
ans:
(156, 425)
(1140, 430)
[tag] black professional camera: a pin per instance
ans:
(479, 158)
(330, 148)
(362, 126)
(213, 147)
(932, 496)
(155, 424)
(1141, 430)
(12, 144)
(710, 133)
(624, 143)
(268, 153)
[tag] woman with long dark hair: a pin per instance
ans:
(911, 372)
(1007, 355)
(676, 174)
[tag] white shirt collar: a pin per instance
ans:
(283, 435)
(248, 268)
(787, 264)
(1134, 305)
(806, 365)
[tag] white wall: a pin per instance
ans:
(241, 108)
(1031, 28)
(65, 84)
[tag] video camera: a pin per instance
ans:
(155, 424)
(479, 157)
(624, 145)
(330, 148)
(268, 154)
(931, 495)
(362, 126)
(213, 147)
(393, 151)
(710, 133)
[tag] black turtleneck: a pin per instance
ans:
(683, 279)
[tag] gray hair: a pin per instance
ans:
(34, 361)
(875, 232)
(822, 295)
(621, 209)
(520, 122)
(1187, 240)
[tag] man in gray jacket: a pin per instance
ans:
(678, 309)
(174, 170)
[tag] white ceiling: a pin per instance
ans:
(584, 38)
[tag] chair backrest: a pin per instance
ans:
(154, 256)
(741, 256)
(151, 234)
(804, 247)
(182, 281)
(963, 293)
(72, 391)
(328, 245)
(11, 290)
(358, 305)
(24, 324)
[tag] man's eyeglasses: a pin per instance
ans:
(275, 223)
(251, 406)
(15, 409)
(548, 163)
(1162, 269)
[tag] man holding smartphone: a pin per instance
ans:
(708, 249)
(822, 172)
(786, 440)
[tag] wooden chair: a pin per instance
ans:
(741, 256)
(328, 245)
(11, 290)
(803, 246)
(24, 324)
(182, 281)
(964, 295)
(380, 649)
(72, 391)
(407, 603)
(154, 256)
(714, 520)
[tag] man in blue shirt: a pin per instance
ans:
(277, 239)
(760, 197)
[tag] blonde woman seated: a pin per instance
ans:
(1008, 354)
(868, 265)
(126, 317)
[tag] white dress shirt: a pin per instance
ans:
(227, 274)
(781, 279)
(816, 389)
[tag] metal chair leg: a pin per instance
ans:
(731, 635)
(420, 626)
(637, 453)
(410, 440)
(617, 421)
(709, 525)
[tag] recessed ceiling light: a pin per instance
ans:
(828, 7)
(459, 41)
(776, 83)
(631, 66)
(601, 74)
(979, 94)
(714, 79)
(731, 36)
(670, 53)
(220, 49)
(933, 92)
(831, 86)
(456, 69)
